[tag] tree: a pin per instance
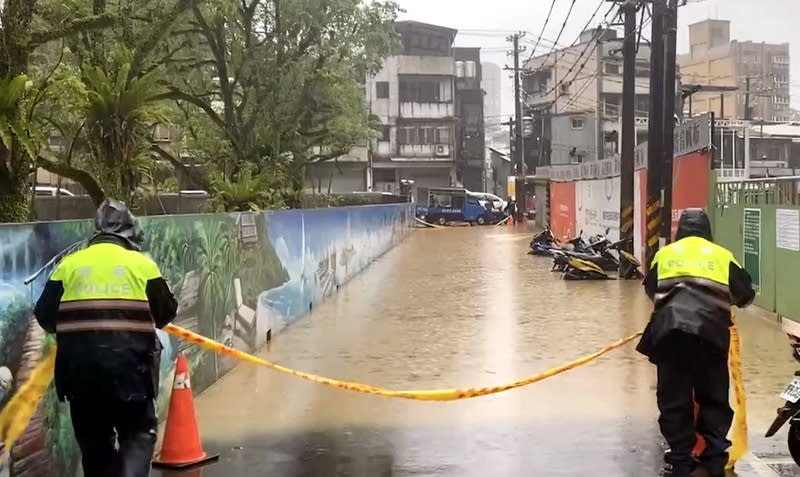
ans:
(280, 82)
(121, 77)
(24, 27)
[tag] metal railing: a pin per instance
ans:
(767, 191)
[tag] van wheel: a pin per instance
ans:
(481, 220)
(442, 221)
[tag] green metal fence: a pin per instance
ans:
(759, 221)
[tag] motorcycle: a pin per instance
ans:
(543, 243)
(591, 252)
(596, 267)
(561, 256)
(790, 411)
(580, 269)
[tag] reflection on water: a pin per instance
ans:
(462, 308)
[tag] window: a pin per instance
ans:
(423, 135)
(611, 102)
(612, 68)
(577, 123)
(443, 135)
(426, 135)
(783, 100)
(642, 69)
(780, 60)
(382, 89)
(385, 132)
(423, 92)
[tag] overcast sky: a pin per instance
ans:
(486, 24)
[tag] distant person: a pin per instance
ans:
(104, 304)
(693, 283)
(511, 208)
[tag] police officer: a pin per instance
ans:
(104, 304)
(693, 283)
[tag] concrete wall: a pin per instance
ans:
(237, 277)
(565, 137)
(81, 207)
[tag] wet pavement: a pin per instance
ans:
(463, 308)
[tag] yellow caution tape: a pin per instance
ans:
(738, 435)
(15, 417)
(427, 224)
(422, 395)
(20, 409)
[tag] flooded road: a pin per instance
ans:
(465, 308)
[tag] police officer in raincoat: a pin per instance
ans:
(104, 304)
(693, 283)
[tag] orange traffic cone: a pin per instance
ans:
(182, 447)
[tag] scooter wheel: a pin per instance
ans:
(794, 442)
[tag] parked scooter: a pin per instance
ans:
(596, 267)
(790, 412)
(561, 255)
(543, 243)
(579, 269)
(592, 252)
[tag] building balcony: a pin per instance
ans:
(426, 110)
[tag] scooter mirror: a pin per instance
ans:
(608, 229)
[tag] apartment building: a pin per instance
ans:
(470, 128)
(573, 97)
(415, 98)
(716, 60)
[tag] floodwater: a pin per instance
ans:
(467, 307)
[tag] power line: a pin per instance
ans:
(563, 26)
(564, 51)
(596, 44)
(544, 27)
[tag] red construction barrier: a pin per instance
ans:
(562, 209)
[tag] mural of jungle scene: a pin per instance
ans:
(238, 278)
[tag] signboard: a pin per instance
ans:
(787, 229)
(693, 135)
(752, 245)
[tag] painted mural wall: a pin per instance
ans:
(237, 277)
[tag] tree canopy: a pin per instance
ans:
(257, 90)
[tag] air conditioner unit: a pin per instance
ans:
(442, 150)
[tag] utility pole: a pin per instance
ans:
(600, 140)
(519, 153)
(655, 132)
(747, 115)
(628, 147)
(670, 39)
